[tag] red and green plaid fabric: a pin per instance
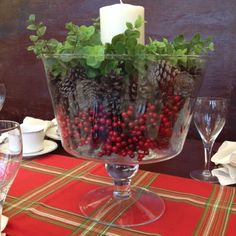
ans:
(44, 200)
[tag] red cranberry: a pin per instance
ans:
(102, 120)
(131, 124)
(142, 128)
(86, 129)
(101, 128)
(177, 98)
(114, 148)
(115, 124)
(118, 139)
(95, 127)
(151, 107)
(141, 121)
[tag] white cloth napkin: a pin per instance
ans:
(54, 122)
(226, 157)
(4, 220)
(35, 121)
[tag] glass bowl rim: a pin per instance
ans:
(124, 56)
(15, 125)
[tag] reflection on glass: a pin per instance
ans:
(2, 95)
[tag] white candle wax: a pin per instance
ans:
(113, 20)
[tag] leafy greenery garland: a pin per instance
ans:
(85, 40)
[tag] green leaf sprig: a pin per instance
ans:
(180, 51)
(126, 44)
(39, 45)
(85, 40)
(180, 46)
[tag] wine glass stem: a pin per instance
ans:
(207, 154)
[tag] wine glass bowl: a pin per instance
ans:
(209, 119)
(10, 156)
(2, 95)
(137, 111)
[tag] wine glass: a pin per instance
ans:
(10, 156)
(209, 119)
(123, 111)
(2, 95)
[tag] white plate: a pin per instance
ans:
(49, 146)
(52, 133)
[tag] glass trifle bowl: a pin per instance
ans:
(123, 111)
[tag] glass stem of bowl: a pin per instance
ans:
(121, 175)
(207, 154)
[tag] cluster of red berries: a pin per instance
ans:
(129, 133)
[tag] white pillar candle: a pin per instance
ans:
(113, 20)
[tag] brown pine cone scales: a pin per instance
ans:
(87, 93)
(67, 85)
(160, 70)
(109, 92)
(159, 80)
(184, 84)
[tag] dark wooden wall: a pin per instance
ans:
(23, 74)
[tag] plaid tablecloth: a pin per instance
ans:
(44, 198)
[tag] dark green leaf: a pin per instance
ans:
(129, 26)
(120, 47)
(196, 38)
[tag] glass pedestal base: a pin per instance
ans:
(203, 175)
(140, 208)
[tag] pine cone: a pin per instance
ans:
(184, 84)
(110, 91)
(166, 74)
(87, 93)
(133, 88)
(157, 72)
(146, 90)
(66, 86)
(78, 73)
(160, 78)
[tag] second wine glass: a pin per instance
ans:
(209, 119)
(10, 157)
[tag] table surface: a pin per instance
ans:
(44, 200)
